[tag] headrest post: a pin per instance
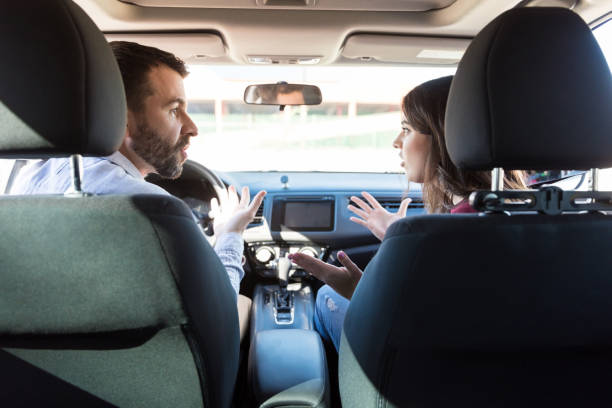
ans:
(497, 179)
(76, 169)
(594, 179)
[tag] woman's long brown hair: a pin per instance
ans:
(424, 108)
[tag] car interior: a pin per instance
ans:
(120, 300)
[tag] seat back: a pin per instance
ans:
(465, 310)
(485, 310)
(110, 300)
(115, 299)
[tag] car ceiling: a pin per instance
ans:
(333, 31)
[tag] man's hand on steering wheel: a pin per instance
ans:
(233, 214)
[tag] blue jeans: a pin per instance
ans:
(330, 309)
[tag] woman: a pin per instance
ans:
(425, 160)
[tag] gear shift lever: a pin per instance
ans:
(283, 267)
(283, 299)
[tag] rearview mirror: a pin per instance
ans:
(282, 94)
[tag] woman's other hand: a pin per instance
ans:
(343, 280)
(373, 216)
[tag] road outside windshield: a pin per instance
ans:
(351, 131)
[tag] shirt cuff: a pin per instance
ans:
(229, 248)
(230, 241)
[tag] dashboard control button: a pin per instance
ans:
(264, 254)
(310, 251)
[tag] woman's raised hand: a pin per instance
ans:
(373, 216)
(342, 279)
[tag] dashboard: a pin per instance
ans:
(302, 211)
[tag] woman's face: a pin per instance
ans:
(414, 148)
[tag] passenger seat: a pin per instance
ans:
(499, 309)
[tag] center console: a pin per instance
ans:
(292, 220)
(287, 365)
(274, 309)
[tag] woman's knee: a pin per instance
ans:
(330, 309)
(324, 293)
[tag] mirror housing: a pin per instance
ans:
(282, 94)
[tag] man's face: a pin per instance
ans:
(160, 133)
(290, 98)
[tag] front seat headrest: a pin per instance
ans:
(533, 91)
(61, 91)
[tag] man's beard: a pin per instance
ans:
(165, 158)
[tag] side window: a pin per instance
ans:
(603, 34)
(548, 176)
(9, 170)
(6, 166)
(564, 179)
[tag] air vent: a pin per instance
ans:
(258, 219)
(416, 203)
(392, 204)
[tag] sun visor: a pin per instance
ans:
(191, 48)
(405, 49)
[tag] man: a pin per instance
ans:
(156, 141)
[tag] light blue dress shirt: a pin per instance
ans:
(116, 174)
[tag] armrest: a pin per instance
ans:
(288, 368)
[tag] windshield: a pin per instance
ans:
(351, 131)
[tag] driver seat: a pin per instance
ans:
(104, 301)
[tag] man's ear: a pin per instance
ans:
(127, 140)
(126, 148)
(131, 120)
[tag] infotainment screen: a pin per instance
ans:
(307, 215)
(303, 214)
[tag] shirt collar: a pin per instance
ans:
(125, 163)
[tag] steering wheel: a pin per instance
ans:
(196, 186)
(215, 184)
(206, 173)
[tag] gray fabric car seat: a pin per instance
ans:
(104, 301)
(494, 310)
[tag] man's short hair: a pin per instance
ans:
(135, 61)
